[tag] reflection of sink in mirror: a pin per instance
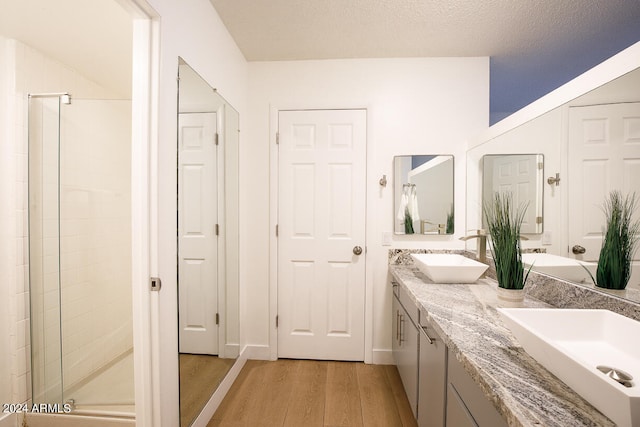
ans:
(595, 352)
(565, 268)
(449, 268)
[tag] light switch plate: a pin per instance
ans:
(547, 238)
(386, 238)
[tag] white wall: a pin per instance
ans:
(9, 345)
(192, 30)
(415, 106)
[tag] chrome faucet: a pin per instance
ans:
(481, 251)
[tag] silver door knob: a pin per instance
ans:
(357, 250)
(577, 249)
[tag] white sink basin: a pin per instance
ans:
(580, 347)
(449, 268)
(557, 266)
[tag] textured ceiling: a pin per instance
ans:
(535, 45)
(319, 29)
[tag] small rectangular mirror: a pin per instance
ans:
(523, 176)
(423, 189)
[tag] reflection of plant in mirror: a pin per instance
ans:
(504, 221)
(619, 242)
(449, 229)
(408, 222)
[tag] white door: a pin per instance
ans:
(197, 238)
(604, 155)
(519, 175)
(321, 218)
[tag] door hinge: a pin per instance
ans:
(540, 165)
(217, 229)
(277, 137)
(217, 138)
(277, 231)
(538, 220)
(276, 320)
(217, 318)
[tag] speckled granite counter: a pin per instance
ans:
(523, 391)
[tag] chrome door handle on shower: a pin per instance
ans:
(357, 250)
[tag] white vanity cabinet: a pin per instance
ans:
(405, 344)
(432, 375)
(466, 403)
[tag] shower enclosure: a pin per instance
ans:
(79, 189)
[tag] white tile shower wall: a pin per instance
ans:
(32, 72)
(95, 235)
(8, 323)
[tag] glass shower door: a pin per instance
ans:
(44, 249)
(80, 253)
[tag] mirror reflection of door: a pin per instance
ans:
(604, 155)
(197, 236)
(520, 175)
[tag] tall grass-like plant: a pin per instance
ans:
(504, 221)
(450, 218)
(619, 241)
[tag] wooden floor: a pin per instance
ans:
(199, 377)
(304, 393)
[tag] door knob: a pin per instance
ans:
(577, 249)
(357, 250)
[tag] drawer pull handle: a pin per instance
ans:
(431, 340)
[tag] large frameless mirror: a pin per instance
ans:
(423, 193)
(590, 148)
(520, 175)
(207, 233)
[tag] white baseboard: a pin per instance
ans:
(257, 352)
(231, 350)
(382, 357)
(9, 420)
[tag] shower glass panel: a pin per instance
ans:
(80, 253)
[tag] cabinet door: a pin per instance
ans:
(471, 396)
(433, 380)
(405, 352)
(457, 413)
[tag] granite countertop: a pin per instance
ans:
(521, 389)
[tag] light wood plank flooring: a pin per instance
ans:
(305, 393)
(199, 377)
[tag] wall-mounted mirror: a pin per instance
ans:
(423, 193)
(208, 309)
(522, 176)
(591, 145)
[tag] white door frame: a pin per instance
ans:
(144, 142)
(273, 241)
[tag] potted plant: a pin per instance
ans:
(619, 242)
(504, 221)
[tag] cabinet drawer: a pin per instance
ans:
(473, 399)
(409, 305)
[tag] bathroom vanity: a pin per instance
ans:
(461, 366)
